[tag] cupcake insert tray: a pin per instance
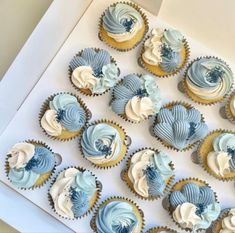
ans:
(25, 124)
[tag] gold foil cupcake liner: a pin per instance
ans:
(150, 68)
(106, 39)
(44, 178)
(138, 212)
(87, 92)
(160, 229)
(95, 198)
(228, 112)
(169, 106)
(125, 178)
(182, 86)
(69, 135)
(125, 147)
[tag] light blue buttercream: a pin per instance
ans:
(60, 101)
(174, 39)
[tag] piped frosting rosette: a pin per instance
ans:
(93, 71)
(136, 98)
(149, 173)
(30, 164)
(208, 80)
(179, 126)
(161, 230)
(63, 116)
(230, 108)
(74, 192)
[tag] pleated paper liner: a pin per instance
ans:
(228, 112)
(126, 45)
(178, 187)
(170, 106)
(156, 70)
(66, 135)
(126, 179)
(125, 146)
(93, 202)
(160, 229)
(183, 87)
(138, 212)
(43, 177)
(205, 147)
(88, 92)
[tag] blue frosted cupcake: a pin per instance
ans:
(161, 230)
(30, 164)
(74, 193)
(136, 98)
(93, 71)
(179, 126)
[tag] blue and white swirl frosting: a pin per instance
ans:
(149, 172)
(194, 207)
(94, 70)
(163, 48)
(180, 127)
(27, 162)
(72, 192)
(101, 143)
(64, 113)
(117, 217)
(209, 78)
(136, 97)
(122, 22)
(221, 160)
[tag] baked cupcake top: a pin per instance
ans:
(122, 22)
(27, 162)
(136, 98)
(194, 207)
(179, 126)
(94, 71)
(222, 159)
(72, 192)
(149, 172)
(209, 78)
(228, 222)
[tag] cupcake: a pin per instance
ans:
(208, 80)
(193, 205)
(123, 26)
(230, 108)
(104, 143)
(63, 116)
(118, 214)
(161, 230)
(179, 126)
(216, 154)
(74, 193)
(93, 71)
(149, 173)
(30, 164)
(136, 98)
(164, 53)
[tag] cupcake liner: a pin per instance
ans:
(177, 71)
(96, 200)
(205, 151)
(125, 178)
(177, 186)
(102, 31)
(118, 198)
(159, 229)
(126, 143)
(45, 107)
(228, 112)
(194, 97)
(44, 178)
(169, 106)
(87, 92)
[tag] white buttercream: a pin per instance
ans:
(228, 223)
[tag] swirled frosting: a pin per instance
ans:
(101, 143)
(122, 22)
(136, 97)
(194, 206)
(94, 70)
(232, 105)
(149, 171)
(209, 78)
(117, 217)
(180, 127)
(72, 191)
(228, 223)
